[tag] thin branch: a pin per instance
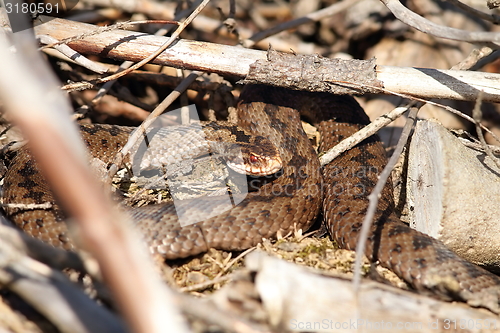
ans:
(495, 19)
(311, 17)
(206, 284)
(210, 313)
(228, 265)
(383, 121)
(166, 102)
(169, 42)
(374, 196)
(477, 115)
(422, 24)
(100, 30)
(473, 58)
(181, 13)
(149, 120)
(126, 64)
(362, 134)
(73, 55)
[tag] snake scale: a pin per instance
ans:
(292, 200)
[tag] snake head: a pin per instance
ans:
(255, 160)
(261, 165)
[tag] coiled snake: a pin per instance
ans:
(292, 200)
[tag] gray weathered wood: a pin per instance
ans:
(454, 194)
(300, 299)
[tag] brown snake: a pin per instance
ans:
(291, 200)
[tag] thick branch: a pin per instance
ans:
(237, 61)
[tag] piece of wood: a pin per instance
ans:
(235, 61)
(453, 194)
(300, 299)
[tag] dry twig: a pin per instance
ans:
(375, 194)
(482, 15)
(311, 17)
(422, 24)
(71, 54)
(149, 120)
(385, 120)
(169, 42)
(126, 64)
(477, 115)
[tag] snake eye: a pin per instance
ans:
(253, 159)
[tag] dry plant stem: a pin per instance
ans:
(219, 278)
(126, 64)
(362, 134)
(150, 119)
(477, 115)
(436, 83)
(383, 121)
(41, 111)
(75, 56)
(473, 58)
(233, 261)
(375, 195)
(167, 101)
(107, 86)
(312, 17)
(482, 15)
(332, 153)
(474, 144)
(418, 22)
(460, 114)
(100, 30)
(169, 42)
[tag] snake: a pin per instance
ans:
(288, 200)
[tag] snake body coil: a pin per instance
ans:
(291, 200)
